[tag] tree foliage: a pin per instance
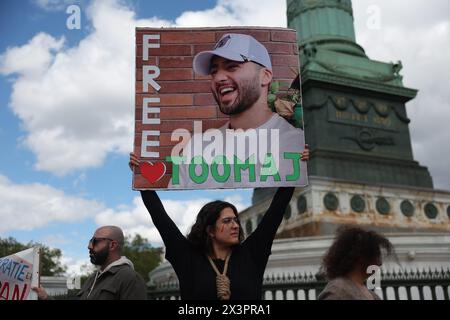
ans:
(50, 258)
(144, 257)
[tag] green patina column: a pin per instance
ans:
(325, 22)
(354, 108)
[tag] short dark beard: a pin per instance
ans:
(249, 92)
(99, 258)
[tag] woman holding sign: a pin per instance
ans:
(214, 262)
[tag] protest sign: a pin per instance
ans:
(18, 273)
(187, 137)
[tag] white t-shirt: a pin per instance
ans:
(267, 156)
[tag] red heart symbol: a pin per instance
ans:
(152, 171)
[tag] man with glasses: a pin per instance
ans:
(115, 278)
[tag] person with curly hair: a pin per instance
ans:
(346, 261)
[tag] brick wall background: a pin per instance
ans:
(185, 96)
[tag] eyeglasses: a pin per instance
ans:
(229, 219)
(95, 240)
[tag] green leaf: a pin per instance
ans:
(271, 98)
(274, 87)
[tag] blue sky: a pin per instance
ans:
(66, 112)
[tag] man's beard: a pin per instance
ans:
(248, 93)
(99, 258)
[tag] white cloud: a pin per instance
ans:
(77, 266)
(237, 13)
(31, 206)
(76, 104)
(237, 201)
(55, 240)
(41, 48)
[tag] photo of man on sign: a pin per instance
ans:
(256, 146)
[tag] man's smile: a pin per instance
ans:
(226, 93)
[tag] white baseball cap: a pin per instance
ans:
(236, 47)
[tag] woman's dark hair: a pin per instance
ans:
(208, 216)
(354, 246)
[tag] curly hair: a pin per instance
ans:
(208, 216)
(354, 246)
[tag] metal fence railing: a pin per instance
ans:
(395, 285)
